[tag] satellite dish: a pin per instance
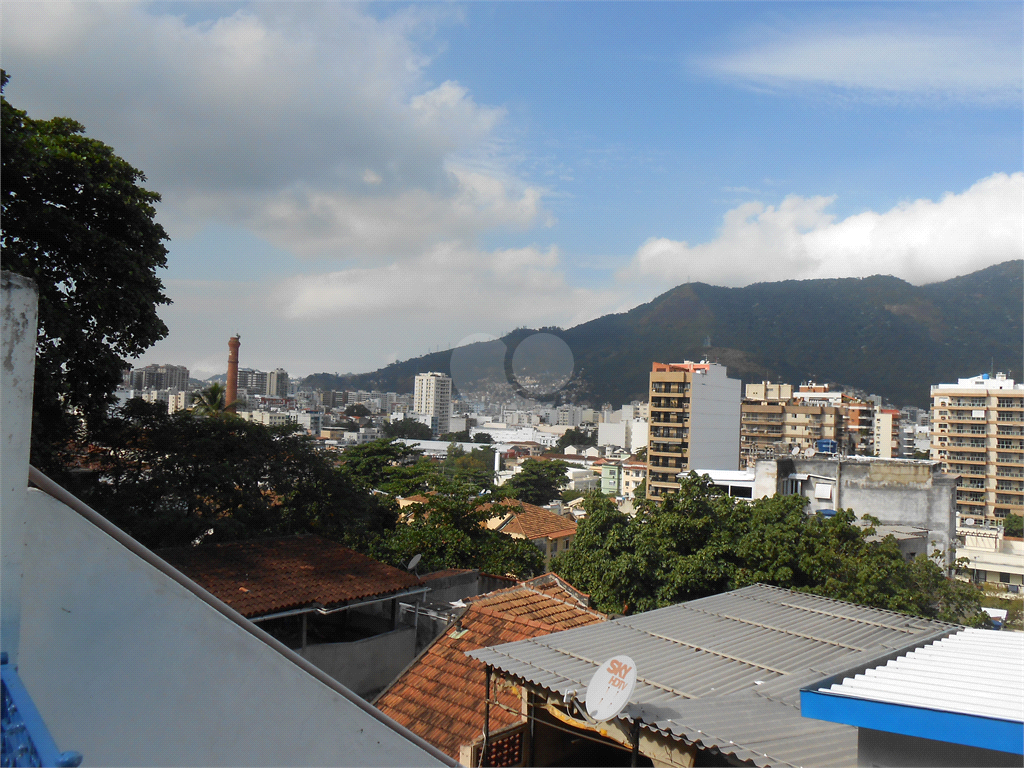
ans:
(969, 521)
(795, 450)
(610, 688)
(808, 451)
(414, 562)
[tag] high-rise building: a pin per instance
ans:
(253, 381)
(694, 422)
(174, 377)
(977, 430)
(432, 396)
(887, 433)
(277, 383)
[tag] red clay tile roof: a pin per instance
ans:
(266, 576)
(441, 696)
(535, 522)
(444, 573)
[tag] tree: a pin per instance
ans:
(409, 429)
(447, 532)
(574, 436)
(169, 480)
(212, 402)
(456, 437)
(538, 482)
(388, 466)
(1013, 525)
(75, 220)
(699, 542)
(357, 410)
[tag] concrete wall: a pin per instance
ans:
(127, 665)
(896, 491)
(17, 367)
(130, 668)
(714, 420)
(366, 665)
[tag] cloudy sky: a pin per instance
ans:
(346, 185)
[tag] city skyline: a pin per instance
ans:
(346, 185)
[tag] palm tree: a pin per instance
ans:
(211, 402)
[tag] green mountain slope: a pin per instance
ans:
(879, 334)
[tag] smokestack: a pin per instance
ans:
(232, 383)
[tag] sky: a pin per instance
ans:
(345, 185)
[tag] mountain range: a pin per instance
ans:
(879, 334)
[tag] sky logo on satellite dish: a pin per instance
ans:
(610, 688)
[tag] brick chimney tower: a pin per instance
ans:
(232, 383)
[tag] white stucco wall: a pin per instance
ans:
(714, 420)
(130, 668)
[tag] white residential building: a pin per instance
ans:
(432, 396)
(978, 434)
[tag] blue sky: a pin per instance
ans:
(346, 185)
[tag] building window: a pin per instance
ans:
(1004, 578)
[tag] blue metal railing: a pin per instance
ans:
(24, 737)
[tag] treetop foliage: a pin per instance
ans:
(699, 542)
(76, 220)
(538, 482)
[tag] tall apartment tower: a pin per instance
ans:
(694, 423)
(277, 383)
(432, 397)
(977, 432)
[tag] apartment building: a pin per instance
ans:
(978, 434)
(432, 396)
(773, 423)
(277, 383)
(694, 422)
(173, 377)
(886, 433)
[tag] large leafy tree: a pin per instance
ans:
(77, 221)
(538, 482)
(171, 479)
(448, 531)
(699, 542)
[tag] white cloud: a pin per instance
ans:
(284, 118)
(961, 66)
(921, 241)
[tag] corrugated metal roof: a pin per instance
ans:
(725, 671)
(974, 672)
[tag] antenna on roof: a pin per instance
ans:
(413, 563)
(610, 688)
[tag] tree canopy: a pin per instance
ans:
(76, 220)
(1013, 525)
(538, 482)
(408, 429)
(573, 436)
(171, 479)
(447, 532)
(699, 542)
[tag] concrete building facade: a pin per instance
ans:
(899, 492)
(694, 422)
(432, 396)
(978, 436)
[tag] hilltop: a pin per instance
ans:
(880, 334)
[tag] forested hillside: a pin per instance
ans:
(879, 334)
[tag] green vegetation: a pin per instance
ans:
(77, 222)
(574, 436)
(538, 482)
(447, 532)
(1013, 525)
(409, 429)
(699, 542)
(212, 402)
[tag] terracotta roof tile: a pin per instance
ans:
(440, 697)
(266, 576)
(531, 521)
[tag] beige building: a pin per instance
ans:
(694, 422)
(773, 424)
(886, 433)
(978, 434)
(432, 396)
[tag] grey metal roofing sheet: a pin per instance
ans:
(725, 671)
